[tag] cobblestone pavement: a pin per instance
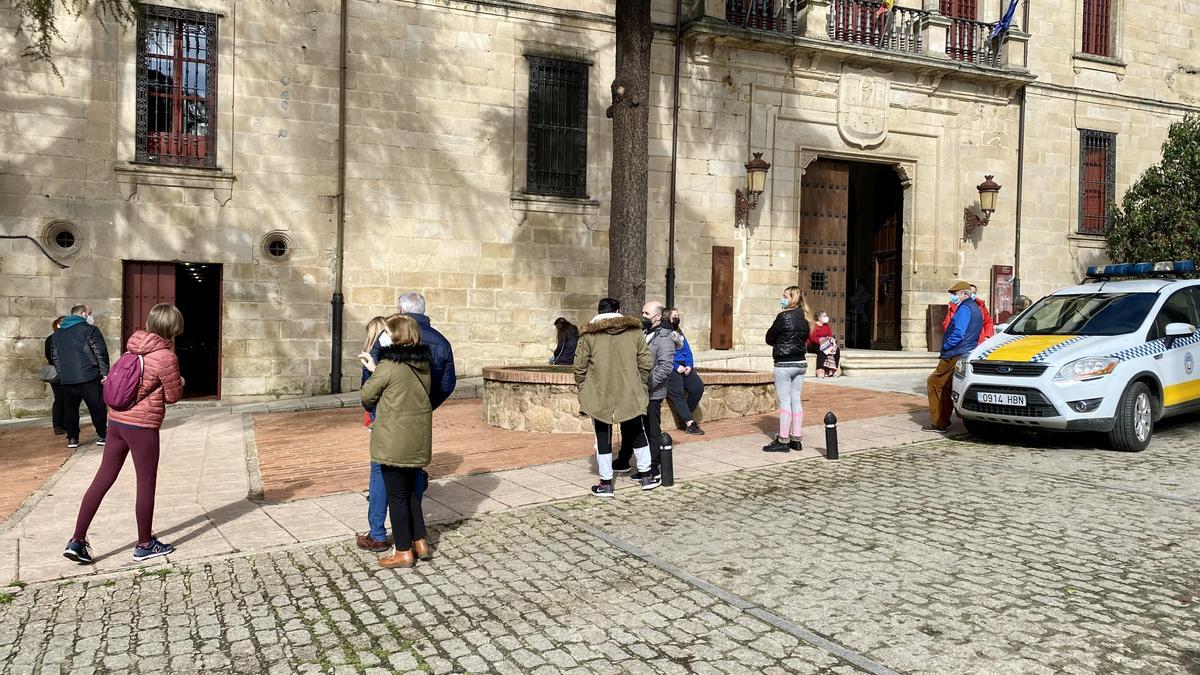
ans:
(949, 556)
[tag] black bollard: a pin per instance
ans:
(665, 466)
(831, 449)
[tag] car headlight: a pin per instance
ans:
(1087, 368)
(960, 368)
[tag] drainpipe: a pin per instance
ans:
(337, 301)
(674, 156)
(1016, 281)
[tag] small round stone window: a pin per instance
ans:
(277, 246)
(61, 237)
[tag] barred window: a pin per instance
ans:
(176, 87)
(1097, 27)
(1097, 180)
(558, 109)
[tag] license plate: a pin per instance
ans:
(1015, 400)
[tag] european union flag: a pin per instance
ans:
(1004, 23)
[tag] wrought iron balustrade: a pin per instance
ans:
(860, 22)
(968, 40)
(777, 16)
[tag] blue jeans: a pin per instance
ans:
(377, 501)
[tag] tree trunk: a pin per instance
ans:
(630, 113)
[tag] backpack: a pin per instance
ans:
(123, 381)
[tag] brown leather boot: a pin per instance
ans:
(398, 559)
(421, 549)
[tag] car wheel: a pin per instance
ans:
(1135, 419)
(980, 429)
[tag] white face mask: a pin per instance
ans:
(90, 320)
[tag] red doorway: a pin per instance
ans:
(195, 288)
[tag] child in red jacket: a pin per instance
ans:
(821, 339)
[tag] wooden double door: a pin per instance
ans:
(845, 212)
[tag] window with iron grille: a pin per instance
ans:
(1097, 27)
(1097, 180)
(176, 87)
(558, 109)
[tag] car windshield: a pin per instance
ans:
(1091, 314)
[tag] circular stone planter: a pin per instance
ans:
(545, 398)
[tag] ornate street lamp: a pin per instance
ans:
(988, 190)
(756, 182)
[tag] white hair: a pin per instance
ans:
(411, 302)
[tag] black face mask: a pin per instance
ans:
(675, 323)
(646, 324)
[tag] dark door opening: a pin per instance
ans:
(195, 288)
(849, 258)
(198, 297)
(873, 257)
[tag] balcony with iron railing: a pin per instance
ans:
(922, 33)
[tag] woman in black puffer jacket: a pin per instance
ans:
(788, 337)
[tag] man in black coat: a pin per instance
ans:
(80, 356)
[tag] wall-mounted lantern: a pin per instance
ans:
(756, 182)
(988, 191)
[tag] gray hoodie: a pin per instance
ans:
(662, 342)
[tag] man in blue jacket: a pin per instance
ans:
(961, 337)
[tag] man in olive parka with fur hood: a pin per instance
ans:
(612, 368)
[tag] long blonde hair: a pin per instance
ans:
(796, 299)
(374, 328)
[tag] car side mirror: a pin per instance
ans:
(1174, 331)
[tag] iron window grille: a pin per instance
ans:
(176, 87)
(558, 112)
(1097, 27)
(1097, 180)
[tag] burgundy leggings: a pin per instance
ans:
(122, 440)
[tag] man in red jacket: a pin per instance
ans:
(989, 327)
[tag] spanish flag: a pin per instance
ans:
(884, 7)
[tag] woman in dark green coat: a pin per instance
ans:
(402, 436)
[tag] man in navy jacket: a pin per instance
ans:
(961, 337)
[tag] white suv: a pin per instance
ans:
(1114, 355)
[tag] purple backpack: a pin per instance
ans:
(123, 381)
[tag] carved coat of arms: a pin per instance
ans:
(863, 106)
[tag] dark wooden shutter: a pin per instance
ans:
(145, 285)
(1097, 27)
(721, 335)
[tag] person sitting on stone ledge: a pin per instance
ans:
(568, 339)
(684, 388)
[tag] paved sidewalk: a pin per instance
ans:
(203, 484)
(942, 557)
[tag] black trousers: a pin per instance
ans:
(634, 430)
(404, 504)
(684, 393)
(91, 394)
(653, 431)
(58, 409)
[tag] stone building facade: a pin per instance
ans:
(878, 129)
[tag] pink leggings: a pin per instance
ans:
(123, 440)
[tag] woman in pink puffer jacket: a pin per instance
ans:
(135, 432)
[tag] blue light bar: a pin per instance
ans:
(1141, 269)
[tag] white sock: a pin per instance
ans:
(642, 455)
(604, 462)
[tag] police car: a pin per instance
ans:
(1114, 355)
